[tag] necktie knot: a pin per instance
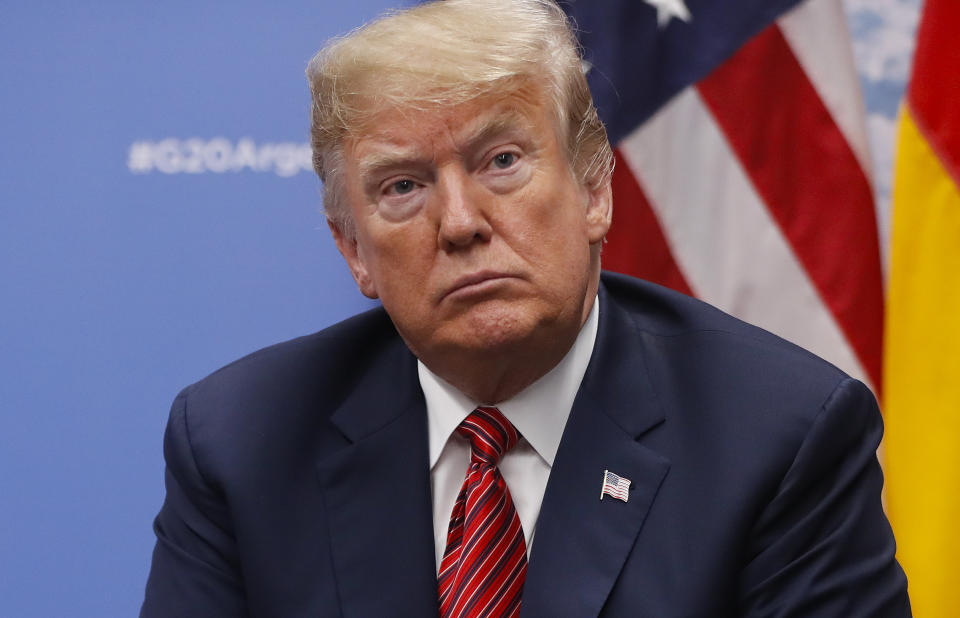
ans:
(490, 434)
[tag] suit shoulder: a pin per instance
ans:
(747, 389)
(274, 405)
(715, 373)
(324, 356)
(722, 342)
(292, 386)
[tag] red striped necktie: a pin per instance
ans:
(485, 562)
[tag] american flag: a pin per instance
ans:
(615, 486)
(742, 163)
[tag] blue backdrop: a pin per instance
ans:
(158, 218)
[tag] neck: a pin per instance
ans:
(493, 381)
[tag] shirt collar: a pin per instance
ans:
(539, 412)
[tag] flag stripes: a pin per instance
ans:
(922, 355)
(922, 398)
(637, 244)
(749, 187)
(799, 160)
(720, 232)
(615, 486)
(817, 33)
(935, 97)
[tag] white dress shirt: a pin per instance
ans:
(539, 412)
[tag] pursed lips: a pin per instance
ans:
(474, 280)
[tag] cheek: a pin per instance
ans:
(398, 256)
(553, 219)
(557, 239)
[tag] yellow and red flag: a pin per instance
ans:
(922, 349)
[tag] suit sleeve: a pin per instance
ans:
(195, 570)
(823, 546)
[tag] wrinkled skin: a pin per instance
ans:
(475, 234)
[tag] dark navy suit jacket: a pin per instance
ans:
(298, 480)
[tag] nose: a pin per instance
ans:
(462, 211)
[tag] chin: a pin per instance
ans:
(500, 328)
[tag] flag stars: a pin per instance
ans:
(668, 9)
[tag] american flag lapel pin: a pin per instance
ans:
(615, 486)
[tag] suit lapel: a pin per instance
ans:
(581, 542)
(377, 496)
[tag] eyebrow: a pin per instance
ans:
(510, 120)
(377, 163)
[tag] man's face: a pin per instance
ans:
(471, 227)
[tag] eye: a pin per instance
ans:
(402, 187)
(504, 160)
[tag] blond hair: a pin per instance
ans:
(443, 54)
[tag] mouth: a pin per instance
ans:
(475, 283)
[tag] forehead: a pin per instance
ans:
(458, 126)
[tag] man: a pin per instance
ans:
(511, 432)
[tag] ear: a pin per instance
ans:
(599, 211)
(352, 253)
